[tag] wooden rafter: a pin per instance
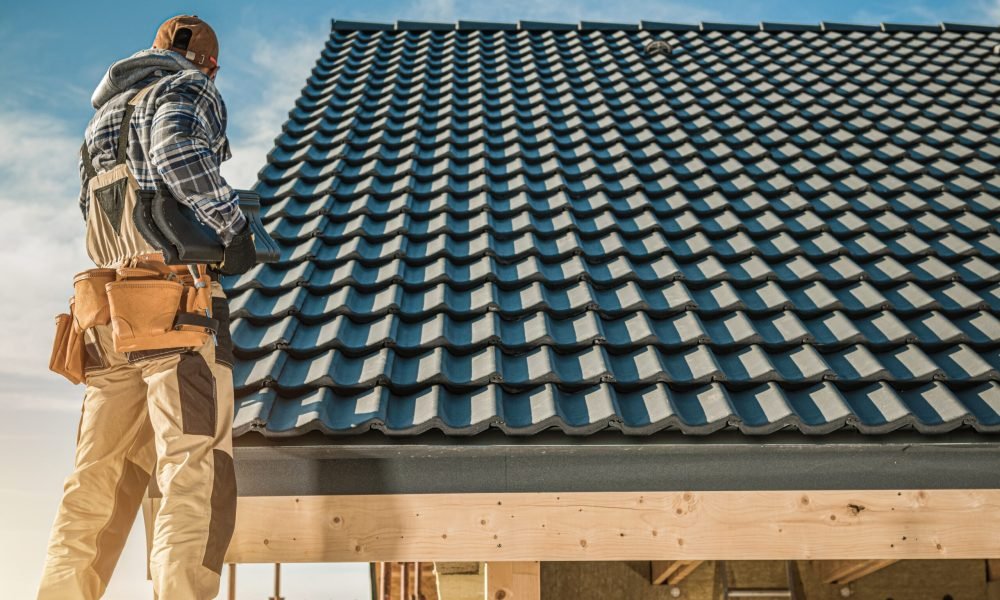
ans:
(671, 572)
(846, 571)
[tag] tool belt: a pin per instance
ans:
(148, 304)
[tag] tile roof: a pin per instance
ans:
(531, 225)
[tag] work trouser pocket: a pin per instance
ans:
(91, 299)
(144, 315)
(66, 358)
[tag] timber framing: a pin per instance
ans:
(405, 580)
(671, 572)
(681, 526)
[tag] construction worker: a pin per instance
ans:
(159, 412)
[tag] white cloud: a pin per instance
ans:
(985, 12)
(259, 90)
(42, 231)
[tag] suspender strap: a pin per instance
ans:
(124, 130)
(123, 135)
(88, 164)
(125, 127)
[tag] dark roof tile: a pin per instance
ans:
(774, 226)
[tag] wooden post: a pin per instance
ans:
(232, 581)
(277, 582)
(993, 579)
(513, 580)
(416, 581)
(404, 581)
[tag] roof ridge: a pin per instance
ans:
(766, 26)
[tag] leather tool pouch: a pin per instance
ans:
(67, 348)
(90, 298)
(150, 314)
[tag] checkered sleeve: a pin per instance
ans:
(184, 131)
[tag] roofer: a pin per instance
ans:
(151, 341)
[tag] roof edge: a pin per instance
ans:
(654, 26)
(427, 464)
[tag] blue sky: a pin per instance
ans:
(53, 55)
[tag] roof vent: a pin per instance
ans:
(658, 47)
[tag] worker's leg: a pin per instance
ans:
(191, 409)
(114, 457)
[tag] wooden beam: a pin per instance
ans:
(846, 571)
(513, 580)
(671, 572)
(773, 525)
(428, 582)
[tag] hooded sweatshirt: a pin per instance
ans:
(177, 135)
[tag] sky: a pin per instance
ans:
(53, 55)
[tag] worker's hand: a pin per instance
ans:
(239, 256)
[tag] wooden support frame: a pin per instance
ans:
(394, 580)
(671, 572)
(764, 525)
(847, 571)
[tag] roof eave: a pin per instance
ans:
(434, 463)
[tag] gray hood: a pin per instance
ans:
(126, 72)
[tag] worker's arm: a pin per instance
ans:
(185, 125)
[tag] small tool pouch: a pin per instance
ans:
(90, 299)
(66, 358)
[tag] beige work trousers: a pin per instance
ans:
(167, 412)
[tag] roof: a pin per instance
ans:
(535, 225)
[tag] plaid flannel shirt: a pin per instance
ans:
(178, 138)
